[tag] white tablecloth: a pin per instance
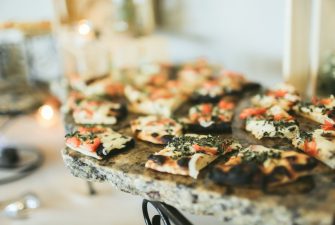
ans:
(64, 198)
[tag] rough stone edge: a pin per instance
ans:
(228, 208)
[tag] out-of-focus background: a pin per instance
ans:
(246, 36)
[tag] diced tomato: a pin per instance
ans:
(206, 108)
(92, 145)
(328, 126)
(278, 93)
(89, 113)
(310, 147)
(160, 93)
(114, 89)
(73, 141)
(282, 117)
(323, 101)
(83, 129)
(94, 103)
(194, 116)
(232, 74)
(172, 84)
(226, 105)
(222, 117)
(252, 112)
(315, 100)
(205, 149)
(326, 101)
(210, 84)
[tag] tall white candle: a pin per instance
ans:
(296, 59)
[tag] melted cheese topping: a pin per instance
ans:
(269, 126)
(109, 139)
(87, 113)
(325, 146)
(199, 156)
(266, 101)
(146, 127)
(142, 103)
(264, 128)
(312, 112)
(215, 114)
(113, 141)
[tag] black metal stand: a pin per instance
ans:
(166, 213)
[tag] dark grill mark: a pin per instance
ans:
(100, 149)
(183, 162)
(159, 159)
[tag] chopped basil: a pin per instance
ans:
(259, 157)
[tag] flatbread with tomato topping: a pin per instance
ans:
(155, 129)
(97, 86)
(320, 144)
(210, 118)
(97, 142)
(96, 111)
(234, 82)
(283, 95)
(187, 155)
(272, 122)
(261, 166)
(153, 100)
(319, 110)
(208, 91)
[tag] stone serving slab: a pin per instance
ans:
(310, 200)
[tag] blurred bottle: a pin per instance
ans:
(13, 58)
(326, 77)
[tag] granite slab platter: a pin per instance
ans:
(310, 200)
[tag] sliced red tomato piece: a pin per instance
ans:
(282, 117)
(252, 112)
(232, 74)
(83, 129)
(222, 117)
(73, 141)
(89, 113)
(210, 84)
(328, 126)
(205, 149)
(310, 147)
(114, 89)
(206, 108)
(92, 145)
(278, 93)
(226, 105)
(160, 93)
(326, 101)
(323, 101)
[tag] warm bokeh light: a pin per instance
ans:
(84, 28)
(46, 112)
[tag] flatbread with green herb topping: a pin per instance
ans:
(155, 129)
(98, 142)
(209, 118)
(319, 144)
(188, 154)
(272, 122)
(259, 165)
(319, 110)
